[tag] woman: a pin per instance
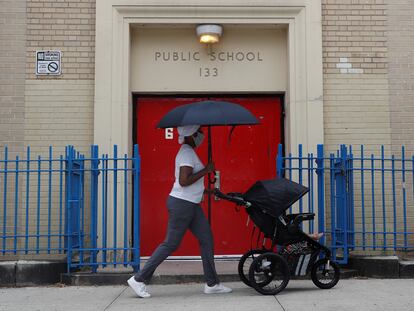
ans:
(184, 213)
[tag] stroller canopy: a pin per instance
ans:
(274, 196)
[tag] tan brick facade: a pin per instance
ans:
(68, 26)
(358, 83)
(368, 57)
(356, 30)
(356, 100)
(401, 72)
(12, 72)
(43, 111)
(65, 100)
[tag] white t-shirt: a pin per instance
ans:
(186, 156)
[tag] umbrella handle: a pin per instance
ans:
(210, 156)
(212, 181)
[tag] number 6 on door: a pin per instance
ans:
(169, 133)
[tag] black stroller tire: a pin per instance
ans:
(318, 267)
(278, 268)
(252, 254)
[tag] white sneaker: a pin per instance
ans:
(265, 264)
(217, 289)
(139, 288)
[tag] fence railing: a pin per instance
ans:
(85, 208)
(364, 201)
(29, 224)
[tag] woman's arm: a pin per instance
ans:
(187, 177)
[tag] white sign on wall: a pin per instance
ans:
(48, 62)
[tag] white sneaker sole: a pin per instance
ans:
(140, 295)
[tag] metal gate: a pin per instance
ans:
(341, 208)
(74, 201)
(112, 185)
(369, 199)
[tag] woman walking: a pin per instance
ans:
(184, 212)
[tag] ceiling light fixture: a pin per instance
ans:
(209, 33)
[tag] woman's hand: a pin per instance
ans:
(187, 177)
(210, 167)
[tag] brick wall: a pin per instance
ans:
(38, 110)
(12, 73)
(356, 109)
(354, 36)
(401, 72)
(12, 109)
(60, 116)
(66, 25)
(401, 81)
(60, 108)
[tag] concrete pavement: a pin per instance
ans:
(349, 294)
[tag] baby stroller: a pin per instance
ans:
(292, 252)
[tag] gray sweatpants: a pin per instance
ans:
(183, 215)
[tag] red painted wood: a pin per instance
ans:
(250, 155)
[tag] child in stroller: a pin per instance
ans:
(292, 252)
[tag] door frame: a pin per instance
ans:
(303, 97)
(113, 118)
(137, 95)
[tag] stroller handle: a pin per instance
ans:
(232, 197)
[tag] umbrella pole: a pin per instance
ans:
(209, 157)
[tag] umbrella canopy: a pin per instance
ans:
(208, 112)
(274, 196)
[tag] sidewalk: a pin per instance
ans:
(300, 295)
(169, 272)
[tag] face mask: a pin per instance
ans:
(198, 139)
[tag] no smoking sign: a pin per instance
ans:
(48, 62)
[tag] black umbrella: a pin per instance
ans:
(208, 113)
(274, 196)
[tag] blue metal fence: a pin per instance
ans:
(369, 198)
(84, 208)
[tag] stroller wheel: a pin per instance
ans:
(269, 274)
(325, 276)
(245, 262)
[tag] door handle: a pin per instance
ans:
(217, 183)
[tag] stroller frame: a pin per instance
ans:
(292, 252)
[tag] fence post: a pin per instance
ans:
(350, 198)
(136, 238)
(5, 198)
(279, 161)
(16, 204)
(94, 206)
(320, 172)
(343, 196)
(69, 163)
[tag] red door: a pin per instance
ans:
(248, 156)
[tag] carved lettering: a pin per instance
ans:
(213, 56)
(196, 56)
(250, 56)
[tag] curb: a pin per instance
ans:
(88, 279)
(386, 267)
(32, 273)
(407, 269)
(29, 273)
